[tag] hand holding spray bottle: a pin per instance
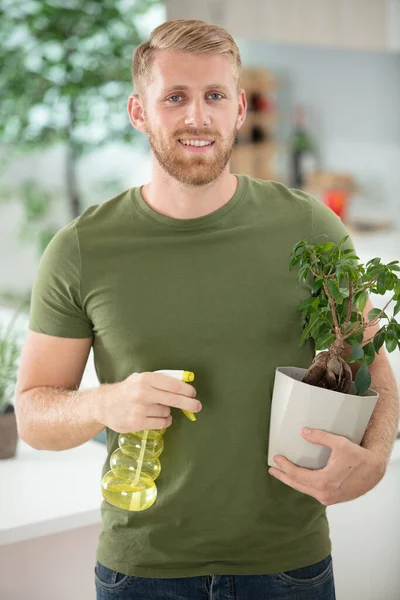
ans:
(135, 464)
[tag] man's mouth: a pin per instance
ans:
(197, 143)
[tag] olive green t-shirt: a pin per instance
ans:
(213, 295)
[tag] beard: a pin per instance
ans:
(192, 170)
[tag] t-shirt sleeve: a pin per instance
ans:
(56, 304)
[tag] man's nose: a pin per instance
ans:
(198, 114)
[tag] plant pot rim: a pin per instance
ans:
(283, 370)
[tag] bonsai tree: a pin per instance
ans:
(334, 314)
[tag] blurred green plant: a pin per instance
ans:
(65, 77)
(9, 355)
(39, 223)
(35, 226)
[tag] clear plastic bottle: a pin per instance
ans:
(135, 464)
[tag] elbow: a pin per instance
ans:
(24, 422)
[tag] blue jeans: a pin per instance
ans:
(314, 582)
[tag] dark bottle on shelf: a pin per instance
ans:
(302, 150)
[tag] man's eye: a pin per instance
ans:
(173, 98)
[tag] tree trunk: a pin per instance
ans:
(329, 370)
(71, 164)
(72, 187)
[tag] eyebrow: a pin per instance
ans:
(172, 88)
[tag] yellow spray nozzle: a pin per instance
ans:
(189, 415)
(188, 377)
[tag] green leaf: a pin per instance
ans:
(374, 313)
(334, 290)
(357, 353)
(327, 246)
(381, 284)
(373, 261)
(361, 301)
(316, 285)
(396, 308)
(302, 274)
(391, 344)
(356, 338)
(390, 339)
(323, 342)
(379, 338)
(369, 353)
(294, 262)
(305, 304)
(362, 380)
(393, 266)
(307, 330)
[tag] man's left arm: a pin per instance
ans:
(382, 429)
(352, 469)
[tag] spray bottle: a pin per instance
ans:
(135, 465)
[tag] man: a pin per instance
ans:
(190, 271)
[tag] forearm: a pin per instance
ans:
(382, 429)
(51, 418)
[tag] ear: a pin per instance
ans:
(242, 111)
(136, 113)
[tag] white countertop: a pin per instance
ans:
(45, 492)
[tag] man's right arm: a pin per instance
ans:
(53, 415)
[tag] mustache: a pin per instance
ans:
(198, 133)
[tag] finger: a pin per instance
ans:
(308, 477)
(323, 438)
(299, 487)
(158, 410)
(157, 423)
(174, 400)
(160, 381)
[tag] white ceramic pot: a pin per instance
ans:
(296, 405)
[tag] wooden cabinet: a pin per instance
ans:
(256, 149)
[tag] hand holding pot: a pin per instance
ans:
(351, 470)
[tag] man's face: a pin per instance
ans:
(193, 96)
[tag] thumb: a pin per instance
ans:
(319, 436)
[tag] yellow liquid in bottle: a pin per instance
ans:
(135, 464)
(126, 494)
(126, 486)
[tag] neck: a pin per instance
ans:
(171, 198)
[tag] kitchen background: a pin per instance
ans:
(328, 85)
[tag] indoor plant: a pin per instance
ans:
(324, 395)
(9, 354)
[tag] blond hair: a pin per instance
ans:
(196, 37)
